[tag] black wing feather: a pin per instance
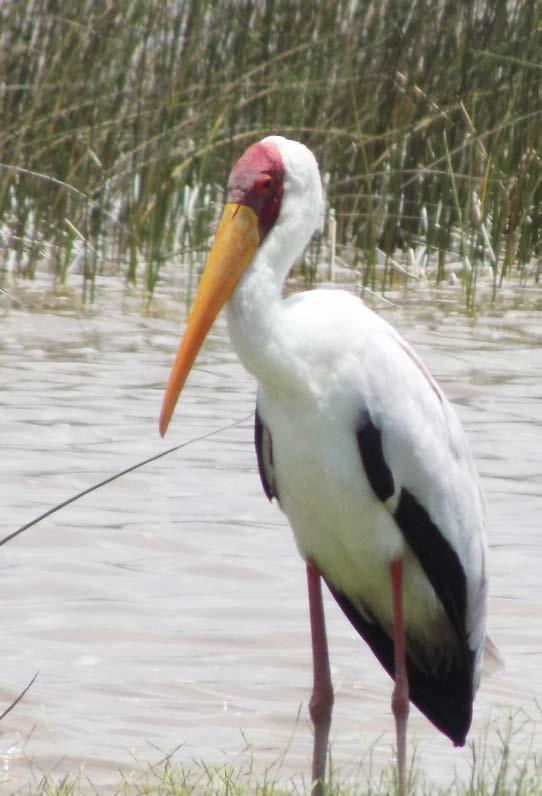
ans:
(264, 455)
(444, 694)
(370, 448)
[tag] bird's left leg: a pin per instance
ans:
(321, 703)
(400, 698)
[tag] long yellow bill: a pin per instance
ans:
(236, 241)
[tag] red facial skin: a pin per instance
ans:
(257, 180)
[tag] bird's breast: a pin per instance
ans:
(337, 521)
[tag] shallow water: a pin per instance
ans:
(168, 609)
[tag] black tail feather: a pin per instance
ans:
(444, 695)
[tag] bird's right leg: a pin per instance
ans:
(400, 699)
(321, 703)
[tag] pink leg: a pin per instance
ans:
(321, 703)
(400, 698)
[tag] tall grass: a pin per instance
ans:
(119, 120)
(492, 774)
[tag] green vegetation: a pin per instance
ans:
(492, 774)
(511, 768)
(120, 119)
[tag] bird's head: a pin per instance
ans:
(274, 187)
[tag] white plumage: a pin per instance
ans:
(321, 358)
(356, 440)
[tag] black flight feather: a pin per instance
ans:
(444, 694)
(264, 455)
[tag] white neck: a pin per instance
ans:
(257, 319)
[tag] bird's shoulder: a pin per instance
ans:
(336, 333)
(322, 305)
(363, 371)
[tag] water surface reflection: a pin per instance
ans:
(169, 608)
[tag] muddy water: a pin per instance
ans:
(168, 610)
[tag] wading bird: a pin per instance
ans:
(359, 446)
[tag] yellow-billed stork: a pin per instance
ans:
(359, 446)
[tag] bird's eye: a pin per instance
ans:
(265, 183)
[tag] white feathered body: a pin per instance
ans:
(343, 360)
(323, 360)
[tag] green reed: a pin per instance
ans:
(426, 119)
(493, 773)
